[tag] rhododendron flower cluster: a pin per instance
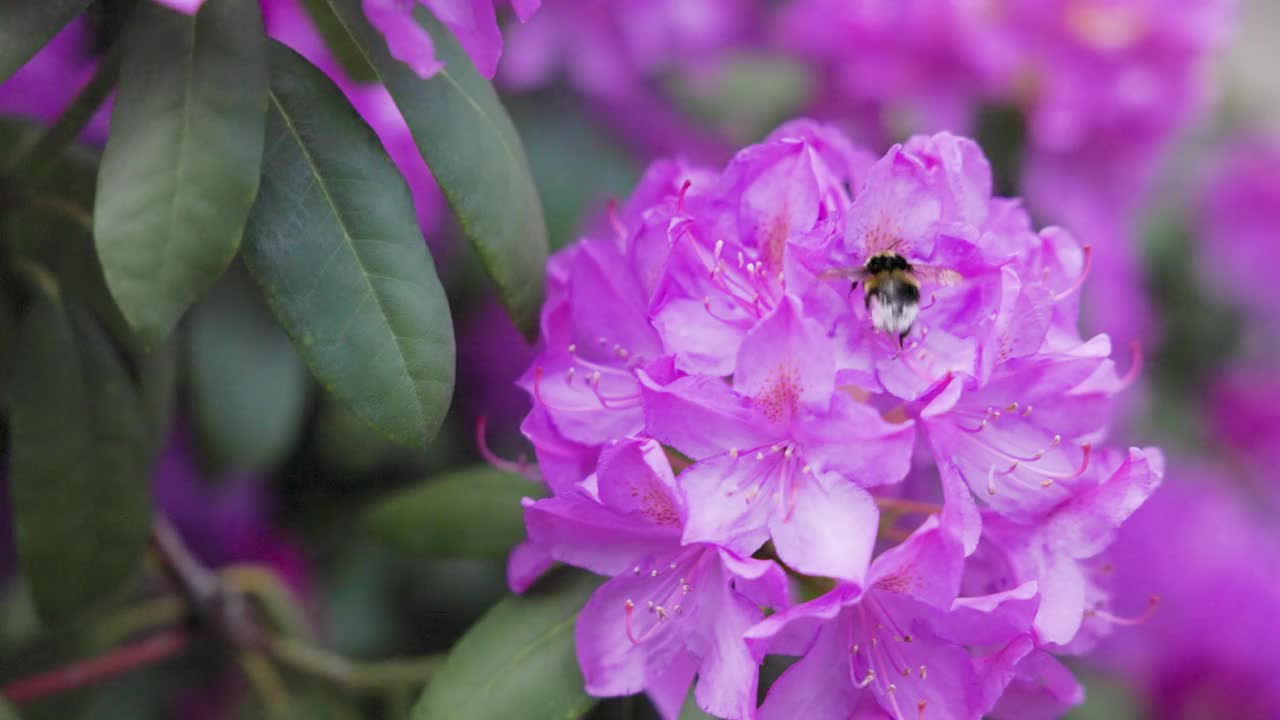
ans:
(727, 433)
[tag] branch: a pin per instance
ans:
(150, 650)
(354, 674)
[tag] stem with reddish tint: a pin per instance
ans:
(147, 651)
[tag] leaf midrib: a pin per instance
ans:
(419, 411)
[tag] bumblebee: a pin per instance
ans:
(891, 289)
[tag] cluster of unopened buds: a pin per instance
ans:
(831, 406)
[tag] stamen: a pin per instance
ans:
(1135, 365)
(870, 678)
(614, 221)
(520, 467)
(680, 197)
(920, 706)
(1084, 273)
(1144, 616)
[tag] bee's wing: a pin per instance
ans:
(848, 273)
(936, 275)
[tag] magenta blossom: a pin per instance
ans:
(45, 86)
(1237, 228)
(621, 56)
(1212, 555)
(773, 338)
(670, 610)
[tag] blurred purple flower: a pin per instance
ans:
(43, 88)
(491, 356)
(1237, 229)
(889, 68)
(616, 54)
(224, 520)
(1244, 419)
(1213, 558)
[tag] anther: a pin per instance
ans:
(1084, 273)
(733, 453)
(759, 455)
(923, 673)
(1144, 616)
(892, 687)
(870, 678)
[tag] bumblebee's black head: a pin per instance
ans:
(887, 262)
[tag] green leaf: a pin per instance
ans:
(80, 461)
(248, 386)
(181, 166)
(334, 241)
(474, 512)
(518, 661)
(27, 26)
(7, 711)
(474, 152)
(53, 227)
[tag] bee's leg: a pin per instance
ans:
(902, 337)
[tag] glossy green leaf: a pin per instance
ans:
(474, 152)
(248, 386)
(7, 711)
(334, 241)
(518, 661)
(181, 166)
(469, 513)
(28, 25)
(80, 460)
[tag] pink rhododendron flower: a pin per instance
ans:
(671, 609)
(1104, 86)
(902, 638)
(741, 368)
